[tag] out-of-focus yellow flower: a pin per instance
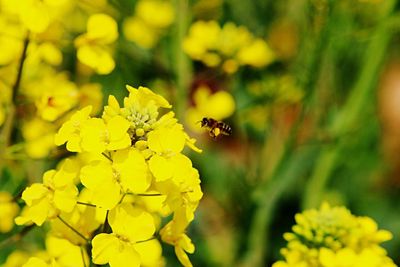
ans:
(94, 46)
(16, 259)
(65, 253)
(218, 105)
(149, 22)
(39, 137)
(37, 262)
(52, 101)
(8, 211)
(36, 15)
(90, 94)
(10, 40)
(331, 237)
(46, 200)
(45, 52)
(229, 47)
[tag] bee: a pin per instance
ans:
(216, 128)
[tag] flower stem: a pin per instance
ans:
(8, 127)
(182, 63)
(86, 204)
(73, 229)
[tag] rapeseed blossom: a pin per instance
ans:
(150, 21)
(94, 48)
(332, 237)
(133, 173)
(8, 211)
(228, 47)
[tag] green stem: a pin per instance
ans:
(348, 116)
(182, 70)
(267, 198)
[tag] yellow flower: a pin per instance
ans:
(10, 40)
(150, 20)
(333, 237)
(8, 211)
(118, 248)
(218, 105)
(108, 181)
(173, 234)
(46, 200)
(37, 262)
(16, 259)
(70, 130)
(229, 47)
(97, 136)
(100, 179)
(39, 137)
(82, 217)
(94, 46)
(65, 253)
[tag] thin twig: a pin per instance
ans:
(73, 229)
(107, 156)
(142, 241)
(86, 204)
(83, 257)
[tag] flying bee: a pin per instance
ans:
(216, 128)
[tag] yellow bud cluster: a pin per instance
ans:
(332, 236)
(133, 174)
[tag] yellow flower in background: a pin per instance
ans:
(37, 15)
(94, 48)
(16, 259)
(39, 137)
(148, 24)
(219, 105)
(11, 40)
(8, 211)
(229, 46)
(333, 237)
(55, 101)
(46, 52)
(65, 253)
(46, 200)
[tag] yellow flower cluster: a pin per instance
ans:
(147, 25)
(133, 173)
(31, 40)
(333, 237)
(228, 47)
